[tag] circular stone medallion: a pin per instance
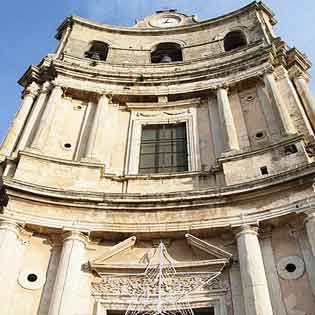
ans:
(32, 279)
(291, 267)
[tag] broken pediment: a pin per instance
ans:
(184, 254)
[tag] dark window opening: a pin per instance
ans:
(264, 170)
(260, 135)
(166, 53)
(98, 51)
(290, 149)
(32, 277)
(234, 40)
(163, 149)
(290, 268)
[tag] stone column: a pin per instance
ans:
(29, 129)
(301, 83)
(47, 117)
(64, 299)
(97, 137)
(274, 93)
(226, 117)
(254, 282)
(310, 230)
(10, 261)
(20, 119)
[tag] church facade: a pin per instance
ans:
(164, 168)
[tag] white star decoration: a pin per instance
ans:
(161, 294)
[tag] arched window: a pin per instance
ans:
(234, 40)
(97, 51)
(167, 52)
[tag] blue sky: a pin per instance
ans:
(27, 30)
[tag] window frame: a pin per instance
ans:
(158, 154)
(188, 116)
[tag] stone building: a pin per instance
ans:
(165, 168)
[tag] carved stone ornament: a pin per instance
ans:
(137, 285)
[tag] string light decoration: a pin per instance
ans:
(161, 293)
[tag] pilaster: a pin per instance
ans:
(301, 80)
(226, 116)
(19, 122)
(272, 87)
(96, 149)
(30, 127)
(47, 118)
(271, 273)
(310, 230)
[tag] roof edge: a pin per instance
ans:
(258, 5)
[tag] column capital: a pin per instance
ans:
(246, 229)
(297, 73)
(32, 90)
(12, 226)
(310, 217)
(108, 96)
(57, 87)
(46, 87)
(74, 235)
(223, 86)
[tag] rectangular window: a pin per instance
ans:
(163, 149)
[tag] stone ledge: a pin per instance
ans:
(144, 202)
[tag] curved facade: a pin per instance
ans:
(195, 135)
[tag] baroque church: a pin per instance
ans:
(162, 169)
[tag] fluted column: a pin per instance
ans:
(64, 299)
(10, 252)
(310, 230)
(274, 93)
(301, 83)
(97, 137)
(226, 117)
(47, 117)
(28, 131)
(20, 119)
(255, 289)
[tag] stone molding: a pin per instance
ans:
(310, 217)
(112, 200)
(208, 248)
(115, 250)
(75, 235)
(9, 225)
(246, 229)
(32, 90)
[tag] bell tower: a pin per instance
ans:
(164, 168)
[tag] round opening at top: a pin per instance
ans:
(290, 267)
(259, 135)
(32, 277)
(67, 145)
(79, 107)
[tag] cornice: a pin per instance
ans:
(170, 201)
(180, 29)
(239, 155)
(227, 222)
(230, 62)
(191, 82)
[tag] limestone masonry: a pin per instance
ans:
(175, 137)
